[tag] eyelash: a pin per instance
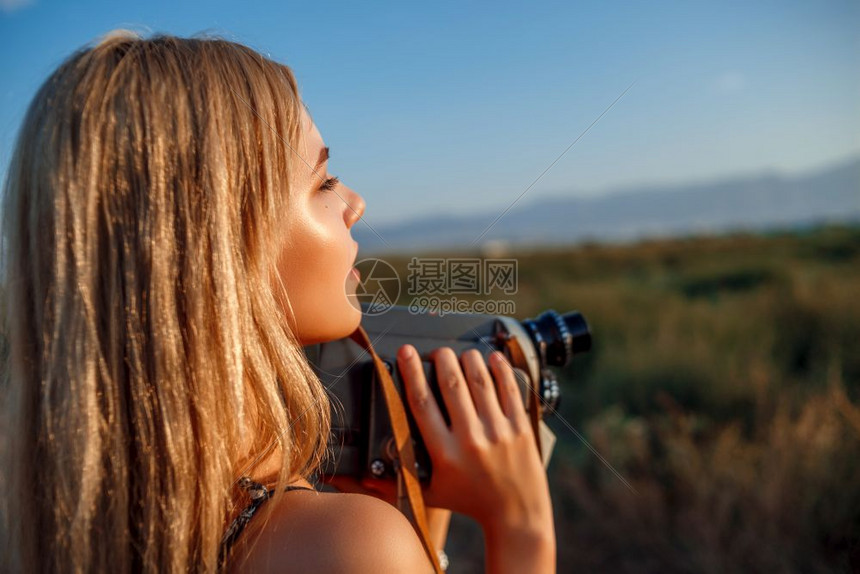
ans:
(329, 184)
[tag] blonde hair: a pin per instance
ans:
(148, 360)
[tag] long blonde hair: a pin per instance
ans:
(148, 361)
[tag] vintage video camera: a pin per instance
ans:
(362, 440)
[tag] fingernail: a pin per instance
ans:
(406, 351)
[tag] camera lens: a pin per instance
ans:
(559, 337)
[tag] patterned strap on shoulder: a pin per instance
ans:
(259, 494)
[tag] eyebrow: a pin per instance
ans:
(323, 158)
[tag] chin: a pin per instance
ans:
(348, 321)
(351, 324)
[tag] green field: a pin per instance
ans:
(723, 387)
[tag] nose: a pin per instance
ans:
(355, 206)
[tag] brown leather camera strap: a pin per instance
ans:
(405, 452)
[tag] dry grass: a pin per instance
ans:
(785, 499)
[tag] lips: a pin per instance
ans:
(354, 272)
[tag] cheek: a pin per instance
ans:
(305, 270)
(315, 271)
(314, 257)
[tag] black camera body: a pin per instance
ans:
(362, 440)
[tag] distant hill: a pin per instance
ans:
(754, 203)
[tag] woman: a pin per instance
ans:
(172, 239)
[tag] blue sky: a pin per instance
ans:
(458, 107)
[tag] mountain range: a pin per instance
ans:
(761, 202)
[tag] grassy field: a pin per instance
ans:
(723, 387)
(723, 390)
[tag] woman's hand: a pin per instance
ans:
(486, 464)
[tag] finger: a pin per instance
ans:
(452, 383)
(509, 390)
(427, 415)
(481, 386)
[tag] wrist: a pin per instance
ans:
(520, 547)
(530, 522)
(538, 535)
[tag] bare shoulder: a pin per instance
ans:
(333, 532)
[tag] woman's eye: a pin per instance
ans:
(329, 184)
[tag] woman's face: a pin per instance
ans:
(316, 264)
